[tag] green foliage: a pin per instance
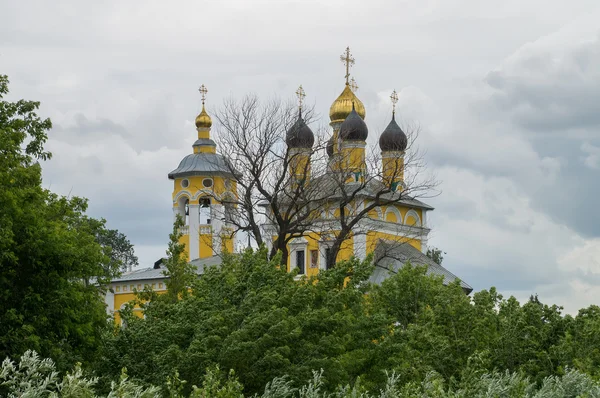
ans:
(33, 377)
(437, 255)
(250, 316)
(53, 267)
(37, 378)
(181, 274)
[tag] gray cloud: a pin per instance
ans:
(506, 95)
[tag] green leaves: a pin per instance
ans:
(53, 269)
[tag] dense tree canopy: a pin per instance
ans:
(264, 323)
(54, 260)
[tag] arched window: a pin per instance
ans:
(183, 209)
(204, 211)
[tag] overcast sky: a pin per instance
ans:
(507, 94)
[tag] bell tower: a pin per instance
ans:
(204, 193)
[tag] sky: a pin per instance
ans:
(507, 94)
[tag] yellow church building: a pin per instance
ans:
(203, 182)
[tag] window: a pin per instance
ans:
(300, 261)
(314, 259)
(118, 289)
(132, 288)
(160, 286)
(328, 262)
(204, 212)
(139, 286)
(185, 183)
(207, 182)
(153, 286)
(124, 288)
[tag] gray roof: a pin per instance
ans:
(396, 256)
(157, 273)
(329, 187)
(201, 164)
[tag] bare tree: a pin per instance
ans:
(252, 135)
(355, 198)
(275, 205)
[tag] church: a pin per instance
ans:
(374, 206)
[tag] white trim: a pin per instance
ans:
(393, 209)
(415, 215)
(212, 182)
(296, 245)
(353, 144)
(323, 245)
(179, 194)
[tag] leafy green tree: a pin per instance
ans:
(437, 255)
(253, 317)
(52, 268)
(118, 249)
(179, 273)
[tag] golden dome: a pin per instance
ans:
(342, 106)
(203, 120)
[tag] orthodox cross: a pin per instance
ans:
(347, 59)
(203, 92)
(300, 94)
(353, 85)
(394, 98)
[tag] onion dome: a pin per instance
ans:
(300, 135)
(343, 105)
(354, 127)
(203, 120)
(329, 147)
(393, 138)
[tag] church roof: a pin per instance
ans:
(395, 257)
(157, 273)
(329, 186)
(201, 164)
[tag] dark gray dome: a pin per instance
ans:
(300, 135)
(329, 147)
(393, 138)
(354, 127)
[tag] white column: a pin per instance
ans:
(109, 300)
(360, 246)
(194, 248)
(216, 214)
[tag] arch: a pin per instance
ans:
(180, 194)
(206, 192)
(182, 208)
(410, 216)
(392, 212)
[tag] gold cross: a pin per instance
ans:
(300, 94)
(353, 85)
(394, 98)
(203, 92)
(347, 59)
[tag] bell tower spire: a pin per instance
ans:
(203, 123)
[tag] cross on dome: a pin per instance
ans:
(394, 98)
(353, 85)
(203, 90)
(300, 94)
(347, 59)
